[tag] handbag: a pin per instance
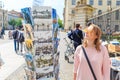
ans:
(89, 63)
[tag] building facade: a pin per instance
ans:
(101, 7)
(1, 4)
(108, 21)
(3, 18)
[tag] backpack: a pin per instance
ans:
(21, 38)
(15, 34)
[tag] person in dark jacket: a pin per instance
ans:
(15, 35)
(76, 36)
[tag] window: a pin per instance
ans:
(99, 2)
(72, 11)
(117, 2)
(100, 26)
(116, 27)
(100, 18)
(91, 2)
(117, 15)
(73, 2)
(99, 12)
(108, 2)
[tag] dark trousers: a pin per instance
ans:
(21, 46)
(16, 45)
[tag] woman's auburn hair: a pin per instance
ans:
(98, 33)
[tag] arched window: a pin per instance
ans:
(99, 12)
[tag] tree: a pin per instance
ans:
(60, 23)
(15, 22)
(18, 22)
(12, 22)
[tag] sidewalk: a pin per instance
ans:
(12, 61)
(66, 69)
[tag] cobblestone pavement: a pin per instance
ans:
(66, 69)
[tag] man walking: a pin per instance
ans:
(76, 36)
(15, 37)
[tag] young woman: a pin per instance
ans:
(97, 54)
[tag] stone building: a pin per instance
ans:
(101, 6)
(108, 20)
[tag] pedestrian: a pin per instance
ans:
(15, 37)
(2, 33)
(91, 53)
(21, 39)
(76, 36)
(10, 35)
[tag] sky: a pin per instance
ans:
(18, 4)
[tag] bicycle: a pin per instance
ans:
(69, 51)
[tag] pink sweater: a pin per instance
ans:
(99, 60)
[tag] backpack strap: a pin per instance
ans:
(77, 34)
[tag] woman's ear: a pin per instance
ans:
(96, 37)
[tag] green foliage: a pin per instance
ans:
(15, 22)
(12, 22)
(18, 22)
(116, 37)
(105, 37)
(60, 23)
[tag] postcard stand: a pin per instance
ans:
(41, 54)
